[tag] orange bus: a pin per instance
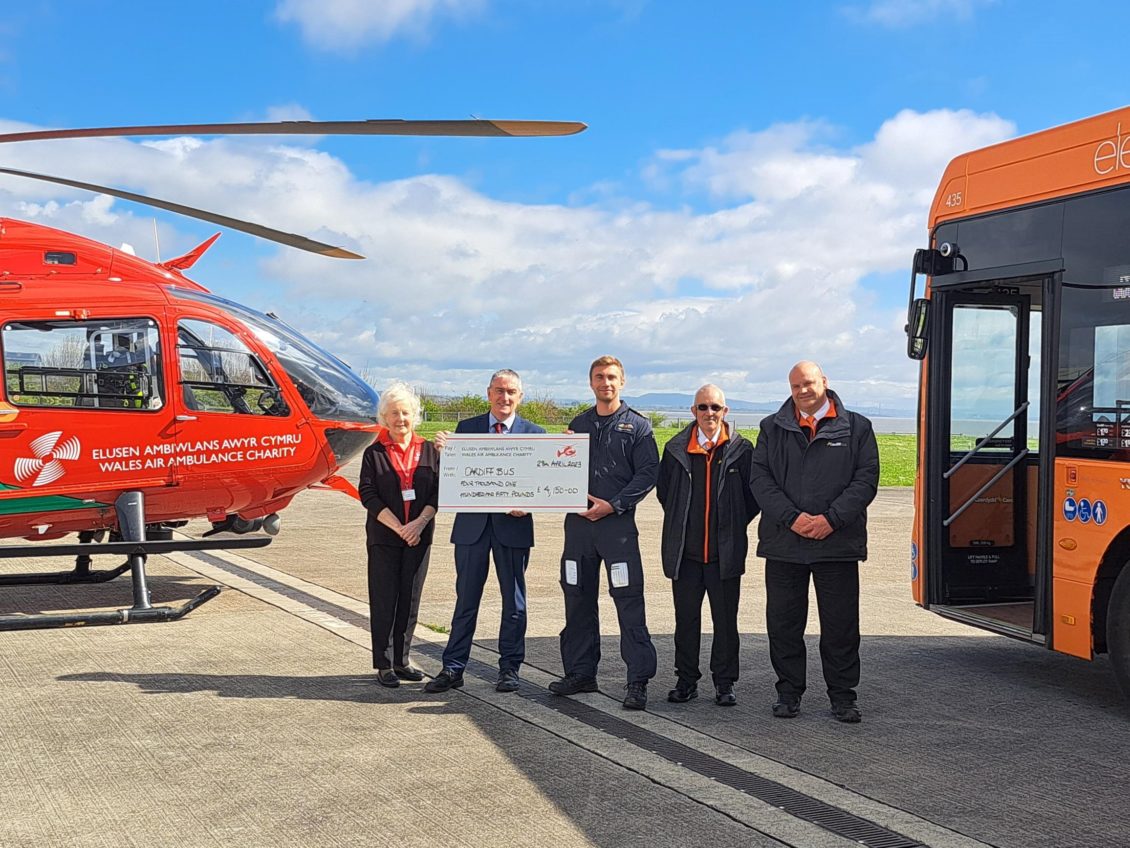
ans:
(1022, 493)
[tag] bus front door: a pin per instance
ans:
(983, 456)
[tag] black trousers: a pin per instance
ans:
(695, 580)
(786, 613)
(396, 581)
(614, 540)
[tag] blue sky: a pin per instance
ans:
(754, 180)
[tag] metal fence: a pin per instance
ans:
(444, 415)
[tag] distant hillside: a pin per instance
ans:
(653, 402)
(664, 401)
(672, 400)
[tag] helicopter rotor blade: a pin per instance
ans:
(476, 127)
(289, 239)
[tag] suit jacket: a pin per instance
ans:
(510, 530)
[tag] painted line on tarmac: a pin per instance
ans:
(340, 614)
(742, 765)
(348, 618)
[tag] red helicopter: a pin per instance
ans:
(134, 399)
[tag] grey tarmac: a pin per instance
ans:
(256, 720)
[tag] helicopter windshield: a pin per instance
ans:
(326, 384)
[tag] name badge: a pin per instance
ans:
(408, 494)
(571, 572)
(618, 575)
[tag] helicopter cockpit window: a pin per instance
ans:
(325, 383)
(220, 374)
(114, 364)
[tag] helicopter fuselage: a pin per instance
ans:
(124, 375)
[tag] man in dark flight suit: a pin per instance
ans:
(623, 467)
(476, 536)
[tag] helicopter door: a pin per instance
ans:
(234, 420)
(220, 374)
(90, 396)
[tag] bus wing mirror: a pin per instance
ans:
(936, 263)
(917, 334)
(925, 261)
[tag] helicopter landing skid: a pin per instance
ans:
(77, 575)
(132, 615)
(130, 508)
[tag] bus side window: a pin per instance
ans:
(1093, 400)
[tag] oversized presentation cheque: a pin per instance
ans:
(539, 472)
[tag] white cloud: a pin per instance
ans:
(905, 13)
(459, 283)
(345, 25)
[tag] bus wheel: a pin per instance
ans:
(1118, 630)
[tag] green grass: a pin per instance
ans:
(897, 454)
(898, 457)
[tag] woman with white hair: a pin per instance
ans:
(399, 486)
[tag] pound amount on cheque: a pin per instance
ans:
(558, 490)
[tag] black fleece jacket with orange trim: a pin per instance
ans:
(731, 502)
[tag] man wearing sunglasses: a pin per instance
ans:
(707, 506)
(815, 471)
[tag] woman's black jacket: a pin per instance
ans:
(379, 487)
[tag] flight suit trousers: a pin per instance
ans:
(613, 540)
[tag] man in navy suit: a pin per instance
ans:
(476, 536)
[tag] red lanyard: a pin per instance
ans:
(404, 462)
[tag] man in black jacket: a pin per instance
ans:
(707, 506)
(815, 471)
